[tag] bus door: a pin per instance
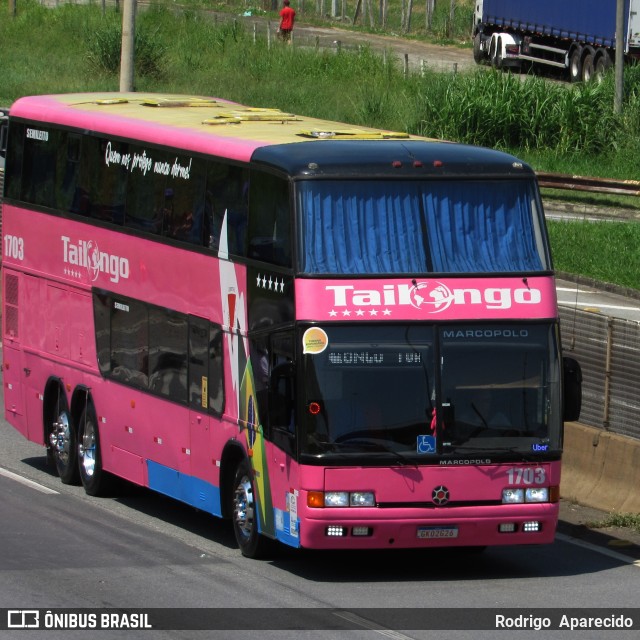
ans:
(205, 402)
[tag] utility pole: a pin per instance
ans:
(127, 54)
(12, 8)
(619, 61)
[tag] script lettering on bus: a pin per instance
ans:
(144, 163)
(113, 156)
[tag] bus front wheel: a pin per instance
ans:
(245, 513)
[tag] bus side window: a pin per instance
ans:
(149, 198)
(269, 219)
(39, 167)
(226, 195)
(130, 343)
(282, 377)
(168, 354)
(102, 321)
(103, 189)
(206, 390)
(185, 215)
(14, 158)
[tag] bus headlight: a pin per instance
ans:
(537, 494)
(512, 496)
(336, 499)
(318, 499)
(362, 499)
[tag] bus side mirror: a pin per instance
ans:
(572, 389)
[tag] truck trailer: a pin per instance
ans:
(577, 37)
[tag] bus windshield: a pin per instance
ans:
(376, 389)
(411, 226)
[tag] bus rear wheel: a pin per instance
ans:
(245, 513)
(62, 441)
(95, 480)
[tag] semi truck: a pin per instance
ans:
(575, 37)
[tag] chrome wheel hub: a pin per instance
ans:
(243, 507)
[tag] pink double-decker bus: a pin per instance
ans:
(337, 337)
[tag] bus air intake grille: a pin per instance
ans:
(11, 297)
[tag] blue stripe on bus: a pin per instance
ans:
(198, 493)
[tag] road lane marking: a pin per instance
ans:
(601, 550)
(368, 624)
(25, 481)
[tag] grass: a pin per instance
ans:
(605, 251)
(554, 127)
(621, 520)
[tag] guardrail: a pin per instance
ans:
(594, 185)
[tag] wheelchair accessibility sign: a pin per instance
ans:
(426, 444)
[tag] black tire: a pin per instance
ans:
(603, 64)
(244, 514)
(478, 54)
(496, 59)
(62, 441)
(575, 65)
(95, 480)
(588, 68)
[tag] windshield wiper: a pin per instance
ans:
(357, 442)
(496, 451)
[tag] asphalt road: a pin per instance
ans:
(60, 548)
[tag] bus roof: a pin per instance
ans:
(214, 126)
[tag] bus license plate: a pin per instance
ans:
(437, 532)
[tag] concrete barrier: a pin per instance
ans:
(601, 469)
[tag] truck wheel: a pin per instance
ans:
(587, 64)
(603, 64)
(496, 60)
(575, 65)
(478, 54)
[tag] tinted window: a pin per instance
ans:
(205, 366)
(130, 342)
(269, 219)
(103, 179)
(168, 354)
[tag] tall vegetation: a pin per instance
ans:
(556, 127)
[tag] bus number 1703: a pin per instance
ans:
(528, 475)
(14, 247)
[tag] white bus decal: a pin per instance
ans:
(87, 254)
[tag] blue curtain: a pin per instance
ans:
(404, 227)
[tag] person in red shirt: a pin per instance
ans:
(287, 18)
